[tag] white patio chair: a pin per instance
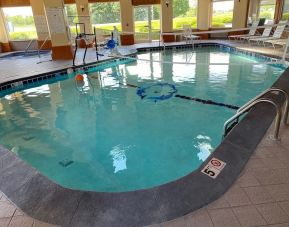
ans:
(276, 35)
(265, 34)
(252, 32)
(189, 37)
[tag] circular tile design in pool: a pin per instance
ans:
(157, 91)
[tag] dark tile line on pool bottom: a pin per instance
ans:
(208, 102)
(203, 101)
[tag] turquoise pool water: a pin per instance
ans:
(112, 133)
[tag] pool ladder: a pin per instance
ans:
(81, 36)
(234, 120)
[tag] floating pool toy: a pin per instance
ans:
(79, 77)
(110, 44)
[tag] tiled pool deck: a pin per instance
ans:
(260, 196)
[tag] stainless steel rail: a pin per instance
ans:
(269, 90)
(42, 45)
(28, 46)
(248, 107)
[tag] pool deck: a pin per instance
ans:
(29, 66)
(260, 196)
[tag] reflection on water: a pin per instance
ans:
(119, 158)
(203, 144)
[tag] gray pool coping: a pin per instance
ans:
(47, 201)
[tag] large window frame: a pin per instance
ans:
(269, 13)
(147, 22)
(97, 22)
(221, 18)
(185, 14)
(285, 10)
(20, 23)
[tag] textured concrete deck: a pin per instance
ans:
(260, 196)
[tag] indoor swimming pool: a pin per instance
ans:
(133, 125)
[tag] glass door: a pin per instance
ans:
(146, 23)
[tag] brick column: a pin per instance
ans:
(127, 23)
(58, 28)
(5, 46)
(40, 23)
(167, 20)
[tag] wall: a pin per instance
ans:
(11, 3)
(127, 23)
(39, 14)
(240, 13)
(5, 46)
(204, 14)
(60, 40)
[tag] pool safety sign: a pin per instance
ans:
(214, 168)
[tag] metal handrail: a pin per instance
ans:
(28, 46)
(42, 45)
(286, 108)
(81, 36)
(248, 107)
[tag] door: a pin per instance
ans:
(146, 23)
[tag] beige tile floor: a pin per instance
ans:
(259, 197)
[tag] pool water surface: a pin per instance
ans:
(135, 125)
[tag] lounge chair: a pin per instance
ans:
(252, 32)
(266, 33)
(278, 42)
(188, 34)
(277, 35)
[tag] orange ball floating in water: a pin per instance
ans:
(79, 77)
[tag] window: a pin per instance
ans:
(147, 22)
(222, 15)
(20, 23)
(184, 13)
(267, 10)
(285, 13)
(264, 9)
(253, 12)
(105, 16)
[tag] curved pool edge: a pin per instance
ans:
(43, 199)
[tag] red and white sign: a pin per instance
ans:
(218, 164)
(214, 168)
